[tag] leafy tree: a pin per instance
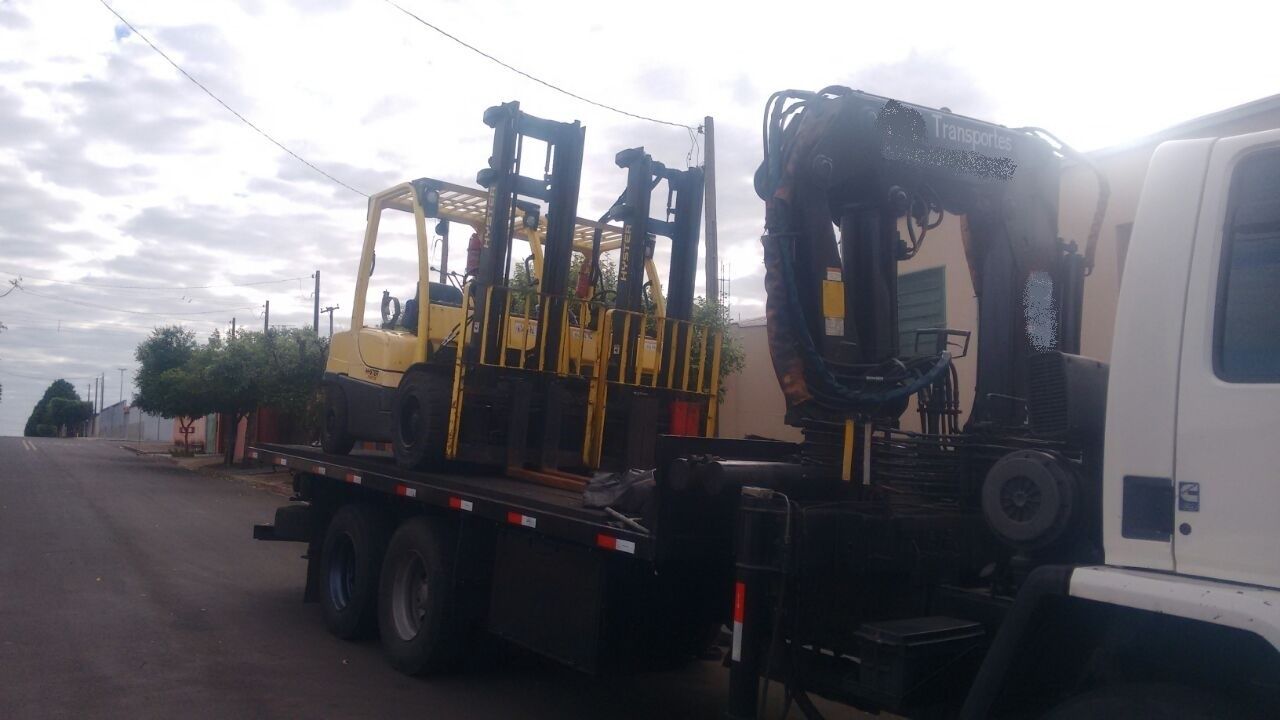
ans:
(44, 421)
(165, 384)
(68, 413)
(716, 316)
(230, 376)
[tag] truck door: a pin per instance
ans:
(1227, 466)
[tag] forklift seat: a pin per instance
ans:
(440, 294)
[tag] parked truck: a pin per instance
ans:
(1094, 541)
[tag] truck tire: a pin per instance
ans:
(335, 432)
(416, 613)
(350, 562)
(1148, 701)
(420, 419)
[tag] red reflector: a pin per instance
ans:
(516, 518)
(605, 541)
(686, 418)
(739, 601)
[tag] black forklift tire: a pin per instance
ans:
(417, 618)
(350, 564)
(335, 431)
(420, 419)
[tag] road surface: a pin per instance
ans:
(131, 588)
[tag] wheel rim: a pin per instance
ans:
(411, 421)
(409, 597)
(342, 573)
(1020, 499)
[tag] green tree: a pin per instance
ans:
(42, 422)
(230, 376)
(716, 316)
(165, 384)
(68, 414)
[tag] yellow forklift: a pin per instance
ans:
(548, 378)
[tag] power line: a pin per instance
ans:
(24, 276)
(229, 109)
(136, 312)
(540, 81)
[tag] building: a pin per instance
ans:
(122, 421)
(935, 289)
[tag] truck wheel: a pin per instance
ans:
(421, 419)
(416, 616)
(1147, 701)
(335, 433)
(350, 560)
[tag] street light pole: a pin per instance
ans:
(121, 384)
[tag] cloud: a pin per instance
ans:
(925, 79)
(663, 82)
(11, 19)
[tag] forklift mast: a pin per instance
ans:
(558, 188)
(684, 214)
(846, 159)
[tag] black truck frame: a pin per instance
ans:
(533, 564)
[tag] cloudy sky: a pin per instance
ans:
(128, 198)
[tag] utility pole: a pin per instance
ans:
(121, 384)
(709, 203)
(315, 314)
(95, 396)
(102, 391)
(330, 310)
(233, 328)
(266, 317)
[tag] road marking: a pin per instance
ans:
(28, 444)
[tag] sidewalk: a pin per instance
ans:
(264, 477)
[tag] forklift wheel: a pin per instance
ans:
(335, 433)
(421, 419)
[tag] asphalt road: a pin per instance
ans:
(131, 588)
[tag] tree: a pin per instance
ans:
(165, 384)
(230, 376)
(716, 316)
(55, 410)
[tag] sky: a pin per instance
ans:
(131, 199)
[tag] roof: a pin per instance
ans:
(1200, 126)
(468, 205)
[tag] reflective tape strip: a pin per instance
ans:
(253, 454)
(739, 612)
(353, 478)
(406, 491)
(516, 518)
(281, 461)
(608, 542)
(458, 503)
(318, 469)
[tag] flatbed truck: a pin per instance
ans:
(1100, 547)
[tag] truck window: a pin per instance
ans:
(1247, 327)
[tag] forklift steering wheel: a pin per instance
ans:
(389, 316)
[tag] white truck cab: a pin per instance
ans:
(1191, 470)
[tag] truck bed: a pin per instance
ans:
(549, 511)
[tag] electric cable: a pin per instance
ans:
(223, 103)
(137, 312)
(25, 276)
(524, 74)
